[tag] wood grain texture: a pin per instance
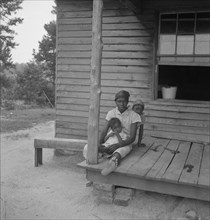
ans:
(174, 171)
(134, 182)
(95, 83)
(191, 168)
(135, 155)
(179, 136)
(142, 166)
(127, 63)
(204, 175)
(164, 161)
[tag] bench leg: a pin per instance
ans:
(38, 156)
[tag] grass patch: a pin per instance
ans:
(20, 119)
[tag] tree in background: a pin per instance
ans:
(8, 21)
(29, 82)
(7, 10)
(33, 82)
(33, 87)
(46, 54)
(46, 57)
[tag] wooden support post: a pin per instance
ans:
(95, 83)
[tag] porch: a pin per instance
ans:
(166, 166)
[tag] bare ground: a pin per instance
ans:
(57, 190)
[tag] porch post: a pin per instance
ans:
(95, 83)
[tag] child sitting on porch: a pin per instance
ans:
(114, 136)
(138, 107)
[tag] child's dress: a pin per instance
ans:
(123, 151)
(114, 139)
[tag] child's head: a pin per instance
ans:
(138, 107)
(115, 125)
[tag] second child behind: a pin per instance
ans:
(138, 107)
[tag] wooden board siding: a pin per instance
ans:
(181, 120)
(126, 64)
(178, 119)
(175, 5)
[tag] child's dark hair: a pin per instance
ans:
(112, 122)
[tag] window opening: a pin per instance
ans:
(184, 54)
(184, 38)
(192, 82)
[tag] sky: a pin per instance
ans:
(36, 14)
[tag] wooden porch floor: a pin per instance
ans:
(165, 166)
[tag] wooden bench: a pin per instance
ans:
(56, 143)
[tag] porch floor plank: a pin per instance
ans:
(204, 177)
(192, 166)
(175, 168)
(142, 166)
(136, 154)
(161, 165)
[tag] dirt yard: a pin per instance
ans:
(57, 189)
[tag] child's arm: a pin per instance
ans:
(141, 131)
(108, 136)
(104, 132)
(119, 137)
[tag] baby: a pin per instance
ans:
(138, 107)
(114, 136)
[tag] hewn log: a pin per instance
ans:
(95, 83)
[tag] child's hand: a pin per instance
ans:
(111, 135)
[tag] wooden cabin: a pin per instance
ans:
(139, 46)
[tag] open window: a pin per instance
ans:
(184, 54)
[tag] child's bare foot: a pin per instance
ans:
(110, 166)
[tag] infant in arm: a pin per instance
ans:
(114, 136)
